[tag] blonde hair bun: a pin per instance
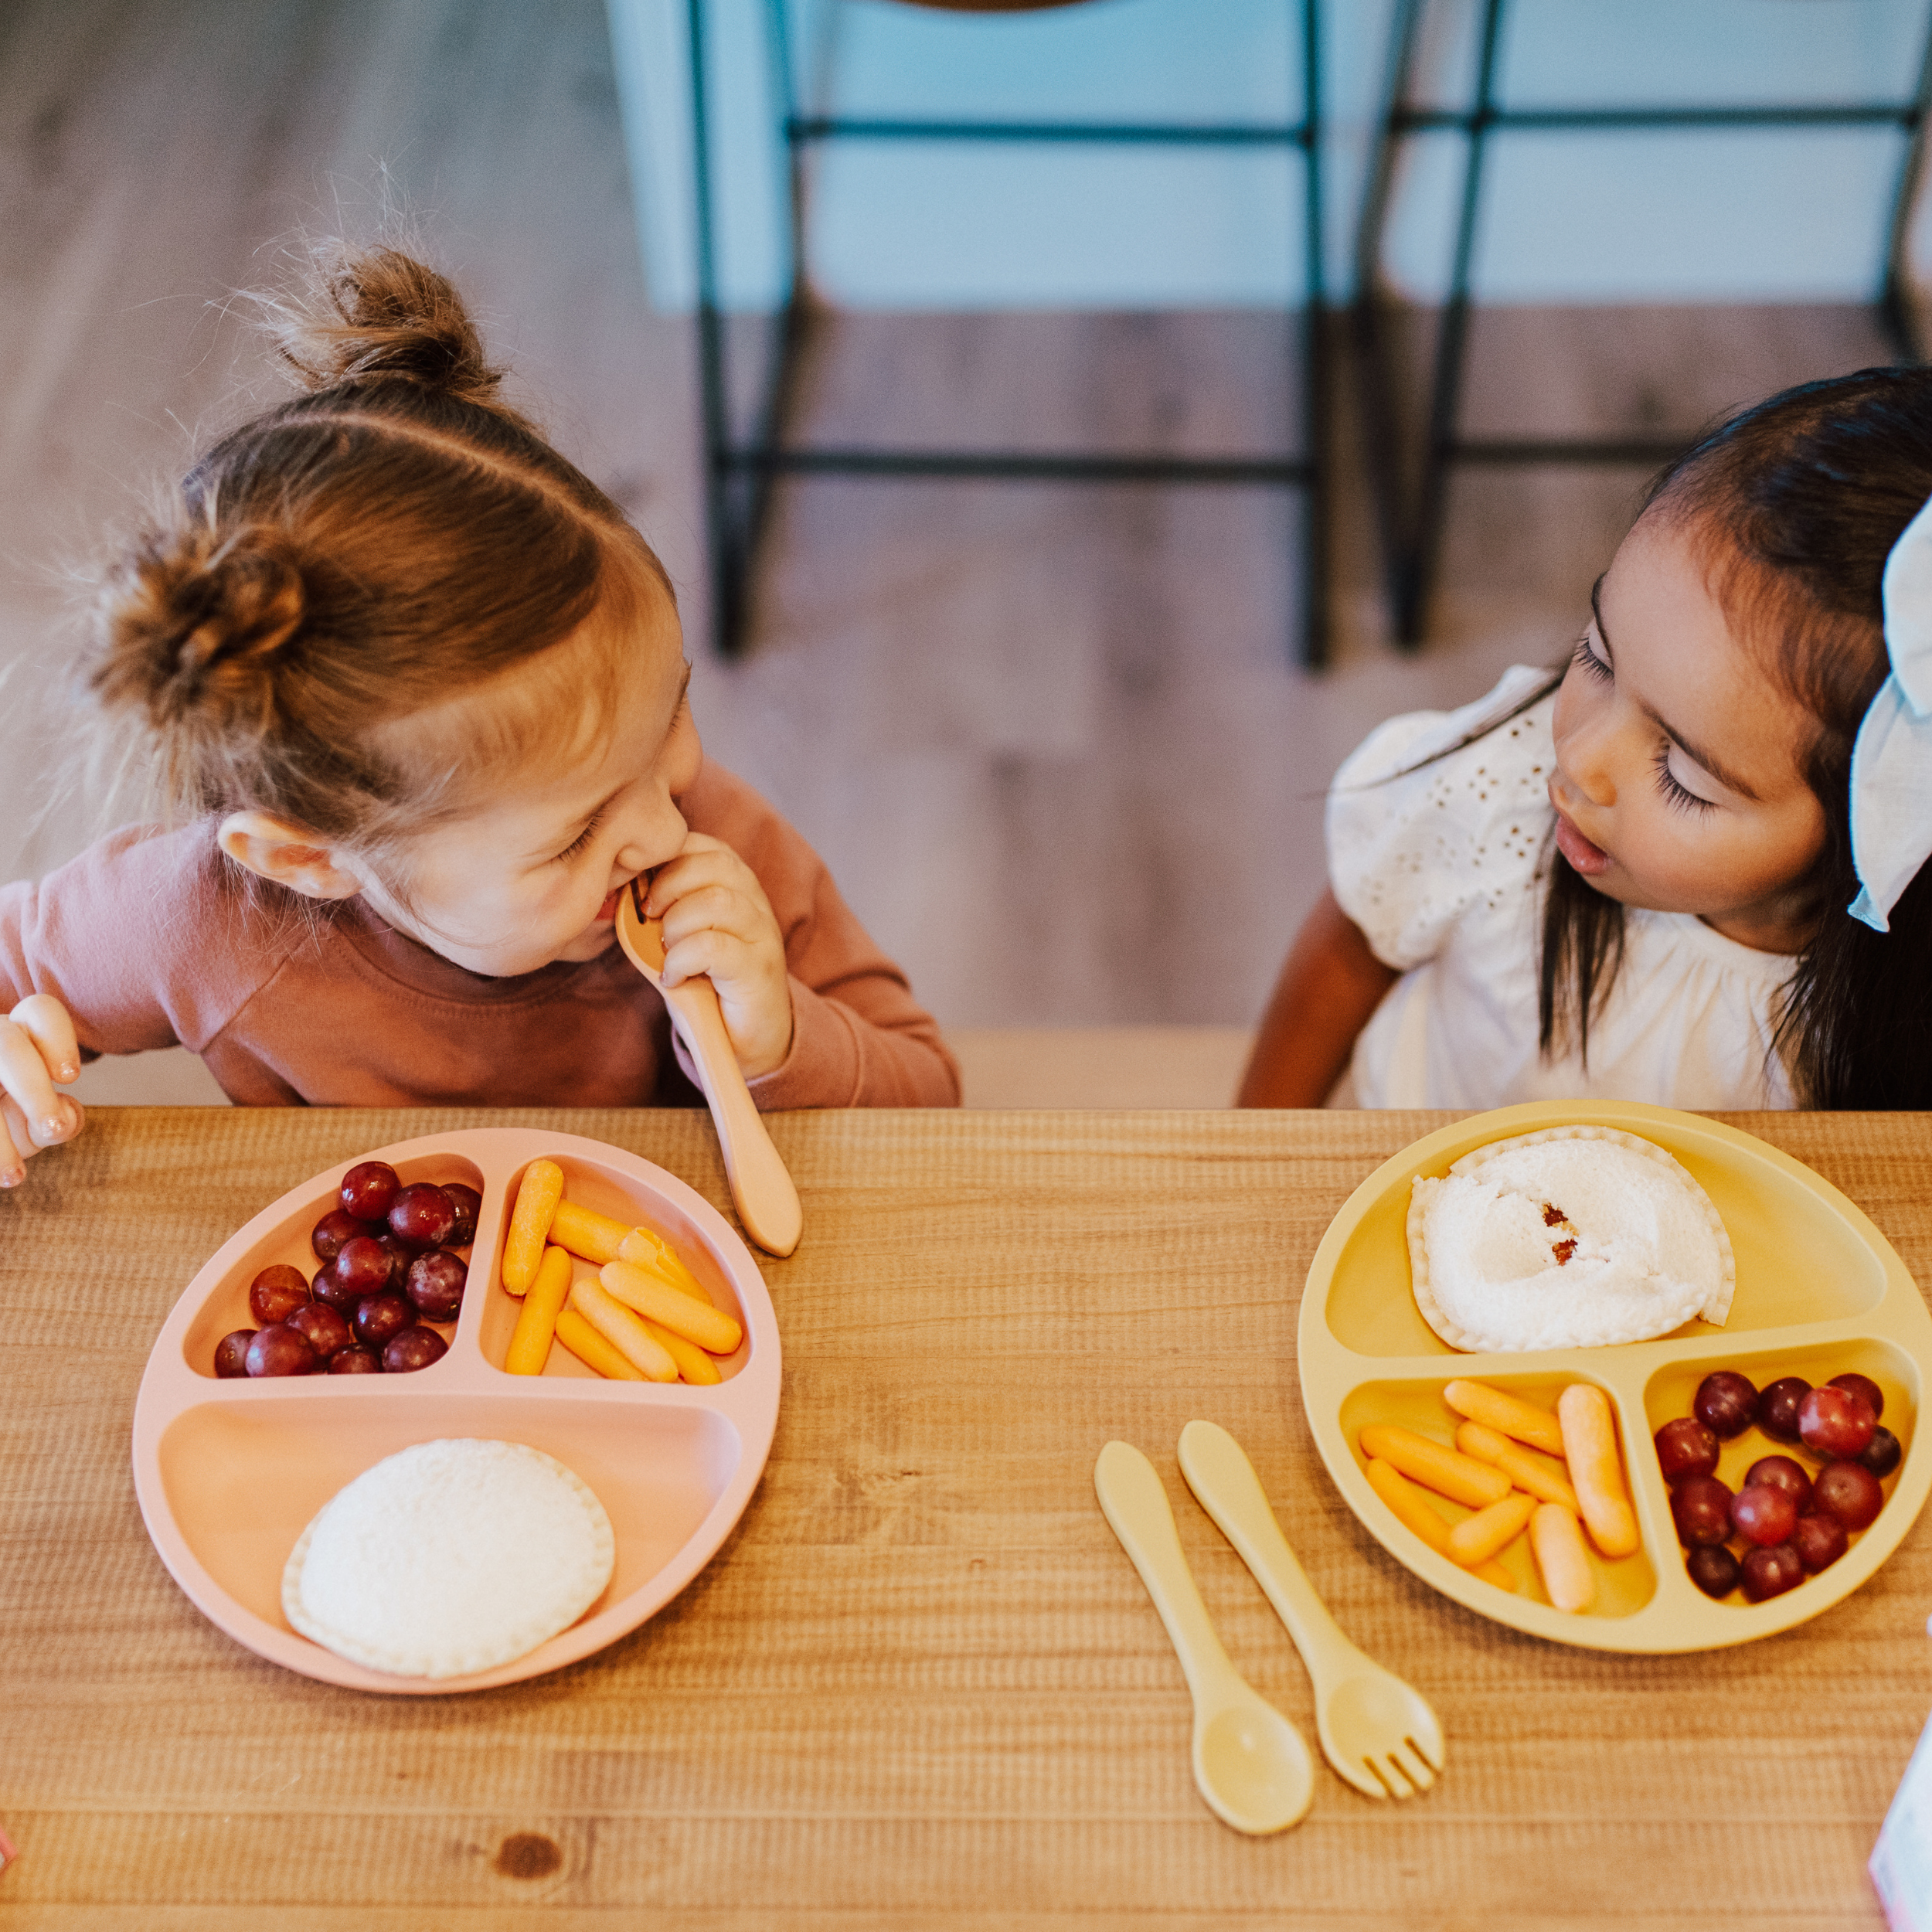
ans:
(377, 312)
(194, 626)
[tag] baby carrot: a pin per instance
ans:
(1589, 1440)
(623, 1330)
(1523, 1467)
(1411, 1509)
(590, 1348)
(537, 1195)
(1506, 1413)
(536, 1320)
(693, 1364)
(1476, 1539)
(1561, 1558)
(1461, 1479)
(710, 1328)
(583, 1231)
(649, 1250)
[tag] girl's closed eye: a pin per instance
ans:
(1676, 795)
(1588, 658)
(583, 839)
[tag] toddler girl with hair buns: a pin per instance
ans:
(415, 692)
(1689, 867)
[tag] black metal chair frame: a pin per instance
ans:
(739, 472)
(1412, 531)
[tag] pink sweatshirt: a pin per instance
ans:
(154, 939)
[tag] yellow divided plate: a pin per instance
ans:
(1820, 1293)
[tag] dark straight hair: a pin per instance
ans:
(1795, 505)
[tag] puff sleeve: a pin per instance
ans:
(1437, 812)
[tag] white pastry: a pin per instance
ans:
(449, 1558)
(1572, 1238)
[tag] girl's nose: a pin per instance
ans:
(1584, 767)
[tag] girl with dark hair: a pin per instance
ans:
(413, 694)
(1689, 868)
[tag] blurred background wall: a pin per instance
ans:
(1052, 740)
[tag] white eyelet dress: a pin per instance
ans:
(1442, 868)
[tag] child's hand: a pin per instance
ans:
(37, 1048)
(718, 922)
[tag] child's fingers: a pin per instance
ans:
(46, 1022)
(710, 953)
(719, 909)
(23, 1076)
(15, 1143)
(703, 862)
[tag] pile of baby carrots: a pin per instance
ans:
(646, 1317)
(1518, 1468)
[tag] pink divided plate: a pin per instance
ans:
(230, 1473)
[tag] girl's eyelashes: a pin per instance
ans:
(583, 839)
(1591, 663)
(1680, 798)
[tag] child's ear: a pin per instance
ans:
(287, 855)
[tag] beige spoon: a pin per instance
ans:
(761, 1185)
(1379, 1732)
(1249, 1762)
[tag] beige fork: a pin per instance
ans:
(1379, 1733)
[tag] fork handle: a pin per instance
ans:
(1224, 1483)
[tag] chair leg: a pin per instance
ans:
(1418, 580)
(1896, 309)
(1316, 401)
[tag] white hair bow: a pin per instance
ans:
(1891, 761)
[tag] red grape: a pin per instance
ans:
(422, 1215)
(1701, 1508)
(322, 1328)
(1777, 1407)
(1849, 1493)
(1835, 1421)
(362, 1268)
(1712, 1568)
(382, 1316)
(354, 1362)
(279, 1350)
(1763, 1516)
(1685, 1448)
(231, 1353)
(276, 1292)
(1725, 1403)
(1863, 1385)
(400, 1257)
(1769, 1573)
(1780, 1472)
(435, 1285)
(368, 1188)
(468, 1204)
(1882, 1453)
(412, 1350)
(1820, 1540)
(335, 1227)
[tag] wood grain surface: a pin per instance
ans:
(920, 1686)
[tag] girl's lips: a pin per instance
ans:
(1585, 858)
(608, 910)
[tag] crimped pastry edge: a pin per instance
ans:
(425, 1662)
(1422, 1189)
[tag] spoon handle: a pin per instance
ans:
(761, 1185)
(1224, 1483)
(1136, 1507)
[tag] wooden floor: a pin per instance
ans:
(1051, 740)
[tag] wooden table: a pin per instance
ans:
(919, 1685)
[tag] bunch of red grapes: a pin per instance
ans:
(390, 1263)
(1791, 1522)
